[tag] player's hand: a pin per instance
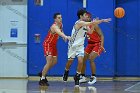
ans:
(106, 20)
(67, 38)
(103, 49)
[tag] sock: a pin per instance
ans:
(42, 77)
(66, 69)
(93, 74)
(83, 74)
(78, 74)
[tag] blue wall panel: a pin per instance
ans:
(139, 38)
(128, 40)
(38, 23)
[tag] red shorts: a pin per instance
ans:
(96, 47)
(50, 50)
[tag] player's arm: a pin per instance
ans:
(63, 37)
(94, 22)
(57, 30)
(99, 31)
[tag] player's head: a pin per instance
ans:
(89, 17)
(57, 17)
(81, 14)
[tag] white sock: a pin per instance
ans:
(79, 72)
(93, 77)
(42, 77)
(66, 69)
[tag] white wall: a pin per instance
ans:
(13, 59)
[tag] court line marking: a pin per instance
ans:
(127, 89)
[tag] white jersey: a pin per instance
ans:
(77, 36)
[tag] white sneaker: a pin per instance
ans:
(82, 89)
(92, 80)
(82, 79)
(92, 89)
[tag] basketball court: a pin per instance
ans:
(24, 25)
(57, 86)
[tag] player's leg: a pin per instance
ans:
(43, 80)
(79, 68)
(82, 76)
(88, 50)
(71, 56)
(66, 72)
(92, 57)
(80, 56)
(86, 56)
(54, 60)
(51, 60)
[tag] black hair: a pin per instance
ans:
(89, 14)
(81, 12)
(55, 15)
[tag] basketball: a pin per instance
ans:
(119, 12)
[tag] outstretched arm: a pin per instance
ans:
(94, 22)
(57, 30)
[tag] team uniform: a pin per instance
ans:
(94, 43)
(76, 44)
(50, 43)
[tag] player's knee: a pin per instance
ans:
(91, 60)
(80, 62)
(70, 62)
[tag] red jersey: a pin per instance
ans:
(51, 38)
(93, 37)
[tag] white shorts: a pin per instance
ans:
(76, 51)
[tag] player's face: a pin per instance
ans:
(58, 19)
(88, 19)
(85, 17)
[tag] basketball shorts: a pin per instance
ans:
(96, 47)
(50, 50)
(75, 51)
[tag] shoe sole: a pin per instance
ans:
(83, 82)
(63, 80)
(76, 85)
(91, 83)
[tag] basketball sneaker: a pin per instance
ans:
(92, 80)
(92, 89)
(43, 82)
(82, 79)
(40, 74)
(65, 76)
(77, 78)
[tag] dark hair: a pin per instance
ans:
(81, 12)
(89, 14)
(55, 15)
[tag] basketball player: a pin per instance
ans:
(50, 50)
(93, 49)
(76, 44)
